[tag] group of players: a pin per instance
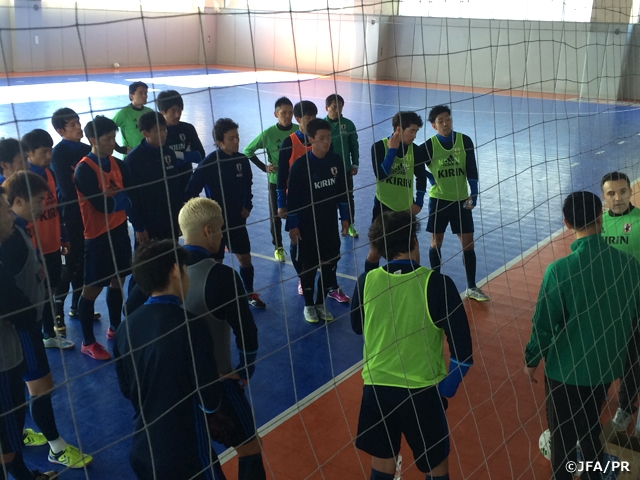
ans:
(70, 204)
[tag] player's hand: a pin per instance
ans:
(416, 209)
(142, 237)
(234, 376)
(468, 204)
(245, 213)
(271, 168)
(530, 371)
(65, 248)
(354, 171)
(282, 213)
(394, 141)
(345, 227)
(294, 235)
(221, 427)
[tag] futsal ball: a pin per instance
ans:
(116, 65)
(545, 444)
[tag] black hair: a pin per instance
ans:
(153, 263)
(24, 184)
(437, 110)
(305, 107)
(168, 99)
(283, 101)
(614, 176)
(150, 120)
(99, 126)
(9, 148)
(135, 86)
(222, 126)
(393, 233)
(406, 119)
(581, 209)
(334, 97)
(61, 116)
(317, 124)
(36, 139)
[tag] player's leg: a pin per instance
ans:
(275, 223)
(373, 256)
(437, 223)
(379, 431)
(240, 245)
(245, 438)
(53, 265)
(115, 297)
(462, 225)
(424, 425)
(561, 427)
(628, 393)
(309, 262)
(587, 408)
(115, 301)
(329, 249)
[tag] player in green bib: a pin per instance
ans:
(452, 165)
(127, 118)
(269, 141)
(397, 160)
(405, 311)
(621, 230)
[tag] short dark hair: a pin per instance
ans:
(581, 209)
(24, 184)
(437, 110)
(305, 107)
(9, 148)
(99, 126)
(406, 119)
(317, 124)
(168, 99)
(135, 86)
(393, 233)
(283, 101)
(153, 263)
(614, 176)
(149, 120)
(222, 126)
(61, 116)
(334, 97)
(36, 139)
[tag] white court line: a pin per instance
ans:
(227, 79)
(267, 257)
(47, 92)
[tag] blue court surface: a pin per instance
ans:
(531, 154)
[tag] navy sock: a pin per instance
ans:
(85, 312)
(368, 266)
(42, 413)
(435, 259)
(18, 469)
(441, 477)
(469, 261)
(114, 305)
(246, 273)
(376, 475)
(251, 468)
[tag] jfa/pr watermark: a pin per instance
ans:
(589, 466)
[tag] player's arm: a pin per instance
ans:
(64, 237)
(194, 141)
(247, 196)
(15, 307)
(354, 147)
(283, 172)
(199, 177)
(250, 152)
(63, 172)
(382, 161)
(357, 310)
(548, 314)
(121, 371)
(448, 313)
(131, 183)
(420, 172)
(342, 197)
(226, 299)
(427, 151)
(87, 184)
(472, 168)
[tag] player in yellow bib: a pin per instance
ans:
(452, 165)
(621, 230)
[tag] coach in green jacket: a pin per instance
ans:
(586, 313)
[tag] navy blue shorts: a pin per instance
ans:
(35, 356)
(388, 412)
(12, 410)
(235, 406)
(444, 212)
(236, 239)
(99, 255)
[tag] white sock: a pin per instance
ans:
(57, 445)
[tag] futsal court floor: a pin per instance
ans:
(532, 151)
